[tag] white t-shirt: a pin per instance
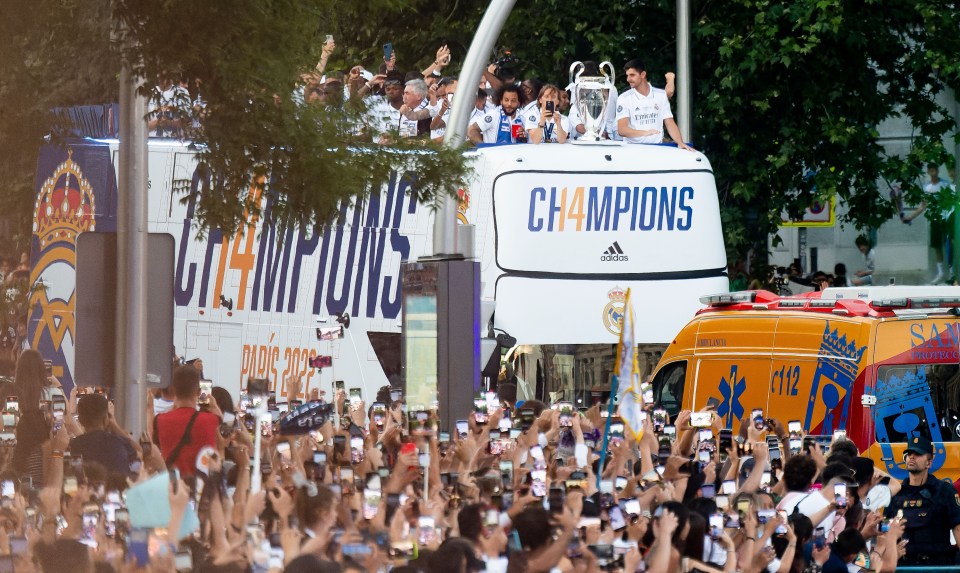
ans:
(934, 188)
(531, 120)
(809, 503)
(408, 127)
(489, 124)
(878, 496)
(383, 116)
(645, 112)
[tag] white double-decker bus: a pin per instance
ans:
(562, 231)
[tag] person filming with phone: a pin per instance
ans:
(545, 123)
(183, 431)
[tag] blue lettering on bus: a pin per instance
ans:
(541, 193)
(355, 253)
(666, 208)
(599, 213)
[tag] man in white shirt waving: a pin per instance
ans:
(644, 111)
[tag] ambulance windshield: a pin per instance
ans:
(668, 386)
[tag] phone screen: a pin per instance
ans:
(840, 494)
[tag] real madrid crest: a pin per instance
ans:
(613, 311)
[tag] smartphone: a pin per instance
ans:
(480, 411)
(670, 431)
(765, 480)
(616, 432)
(723, 502)
(387, 51)
(506, 473)
(620, 483)
(339, 385)
(183, 561)
(765, 515)
(379, 414)
(8, 489)
(758, 421)
(70, 485)
(556, 500)
(743, 506)
(794, 427)
(356, 449)
(206, 389)
(774, 450)
(708, 490)
(840, 494)
(426, 530)
(728, 487)
(538, 483)
(617, 519)
(463, 428)
(355, 398)
(566, 410)
(716, 525)
(701, 419)
(839, 435)
(495, 446)
(90, 517)
(646, 389)
(371, 502)
(659, 420)
(725, 441)
(283, 450)
(396, 395)
(819, 538)
(266, 428)
(550, 106)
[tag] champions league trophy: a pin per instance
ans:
(593, 94)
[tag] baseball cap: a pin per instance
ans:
(919, 445)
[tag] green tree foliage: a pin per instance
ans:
(790, 96)
(260, 144)
(52, 53)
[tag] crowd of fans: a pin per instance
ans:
(416, 104)
(371, 483)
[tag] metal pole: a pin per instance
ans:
(131, 254)
(445, 224)
(684, 77)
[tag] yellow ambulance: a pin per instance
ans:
(881, 363)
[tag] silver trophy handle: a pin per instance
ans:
(604, 67)
(576, 68)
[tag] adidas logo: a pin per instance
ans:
(614, 254)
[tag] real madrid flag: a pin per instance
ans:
(628, 374)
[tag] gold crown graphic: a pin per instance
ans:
(65, 205)
(617, 294)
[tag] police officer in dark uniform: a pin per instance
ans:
(930, 506)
